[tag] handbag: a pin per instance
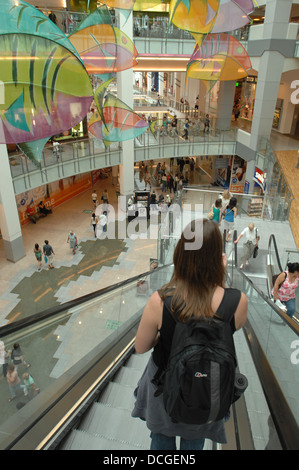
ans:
(256, 248)
(210, 214)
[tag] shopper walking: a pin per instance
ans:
(251, 239)
(230, 213)
(186, 129)
(14, 381)
(207, 123)
(38, 255)
(94, 222)
(94, 198)
(216, 209)
(226, 197)
(197, 292)
(17, 356)
(48, 254)
(73, 241)
(4, 355)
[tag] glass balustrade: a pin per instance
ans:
(60, 346)
(87, 148)
(278, 337)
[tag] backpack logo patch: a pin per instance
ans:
(200, 374)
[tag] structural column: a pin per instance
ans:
(272, 49)
(9, 216)
(125, 93)
(161, 83)
(225, 105)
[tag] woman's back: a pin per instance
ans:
(216, 211)
(224, 304)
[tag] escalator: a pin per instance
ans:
(273, 340)
(87, 370)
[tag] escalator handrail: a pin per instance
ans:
(293, 325)
(272, 239)
(53, 311)
(283, 418)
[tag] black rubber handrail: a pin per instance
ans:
(272, 239)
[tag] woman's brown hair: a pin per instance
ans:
(197, 272)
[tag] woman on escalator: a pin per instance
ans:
(285, 287)
(195, 293)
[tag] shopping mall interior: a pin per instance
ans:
(76, 322)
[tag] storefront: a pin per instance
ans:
(245, 96)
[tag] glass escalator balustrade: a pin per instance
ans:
(59, 347)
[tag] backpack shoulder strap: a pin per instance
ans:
(229, 304)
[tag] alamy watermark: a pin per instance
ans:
(163, 221)
(295, 355)
(295, 94)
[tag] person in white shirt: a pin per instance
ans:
(251, 240)
(94, 198)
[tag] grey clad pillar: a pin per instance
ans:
(225, 105)
(125, 93)
(9, 216)
(271, 49)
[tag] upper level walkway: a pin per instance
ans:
(81, 156)
(148, 32)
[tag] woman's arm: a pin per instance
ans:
(150, 323)
(241, 312)
(279, 280)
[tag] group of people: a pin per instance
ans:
(172, 179)
(101, 220)
(169, 126)
(11, 361)
(225, 207)
(42, 210)
(47, 252)
(95, 199)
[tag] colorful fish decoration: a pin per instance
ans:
(103, 48)
(118, 122)
(125, 6)
(220, 57)
(210, 16)
(47, 89)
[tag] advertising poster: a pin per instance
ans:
(238, 175)
(222, 171)
(259, 178)
(52, 194)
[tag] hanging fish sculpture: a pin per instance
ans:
(46, 87)
(221, 57)
(210, 16)
(104, 48)
(117, 122)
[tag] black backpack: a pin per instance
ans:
(198, 384)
